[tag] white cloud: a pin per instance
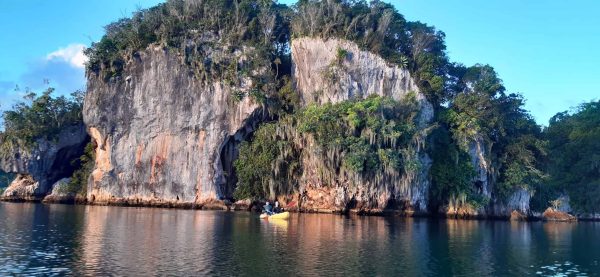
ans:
(72, 54)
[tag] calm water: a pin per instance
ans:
(92, 240)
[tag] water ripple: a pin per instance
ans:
(59, 240)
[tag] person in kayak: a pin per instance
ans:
(277, 207)
(268, 208)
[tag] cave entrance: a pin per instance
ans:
(66, 161)
(230, 153)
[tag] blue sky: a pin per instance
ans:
(544, 49)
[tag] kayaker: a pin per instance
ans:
(277, 208)
(268, 208)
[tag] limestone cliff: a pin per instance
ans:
(483, 182)
(165, 136)
(41, 165)
(161, 131)
(334, 70)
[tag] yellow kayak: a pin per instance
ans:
(284, 215)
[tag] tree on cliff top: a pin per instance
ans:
(195, 29)
(39, 117)
(379, 28)
(574, 156)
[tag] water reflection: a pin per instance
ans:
(95, 240)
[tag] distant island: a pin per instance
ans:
(325, 106)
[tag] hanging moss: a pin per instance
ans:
(369, 141)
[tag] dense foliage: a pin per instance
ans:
(39, 117)
(370, 134)
(364, 138)
(470, 102)
(574, 157)
(255, 167)
(5, 180)
(220, 40)
(484, 111)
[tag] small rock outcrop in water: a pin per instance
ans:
(160, 132)
(60, 193)
(552, 214)
(23, 187)
(45, 163)
(517, 216)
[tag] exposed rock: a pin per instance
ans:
(555, 215)
(242, 205)
(478, 153)
(358, 74)
(23, 188)
(43, 164)
(461, 210)
(321, 77)
(160, 133)
(60, 193)
(564, 204)
(483, 182)
(518, 201)
(517, 216)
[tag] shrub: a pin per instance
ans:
(368, 137)
(39, 117)
(84, 166)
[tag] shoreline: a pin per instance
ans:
(218, 205)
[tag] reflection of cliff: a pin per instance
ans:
(559, 234)
(149, 240)
(39, 239)
(520, 242)
(470, 247)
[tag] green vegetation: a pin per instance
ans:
(39, 117)
(574, 157)
(513, 140)
(371, 135)
(84, 166)
(234, 41)
(379, 28)
(341, 55)
(366, 138)
(219, 39)
(375, 27)
(452, 172)
(5, 180)
(256, 164)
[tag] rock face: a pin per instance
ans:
(59, 193)
(322, 75)
(555, 215)
(23, 188)
(45, 163)
(336, 70)
(161, 133)
(484, 182)
(517, 201)
(165, 137)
